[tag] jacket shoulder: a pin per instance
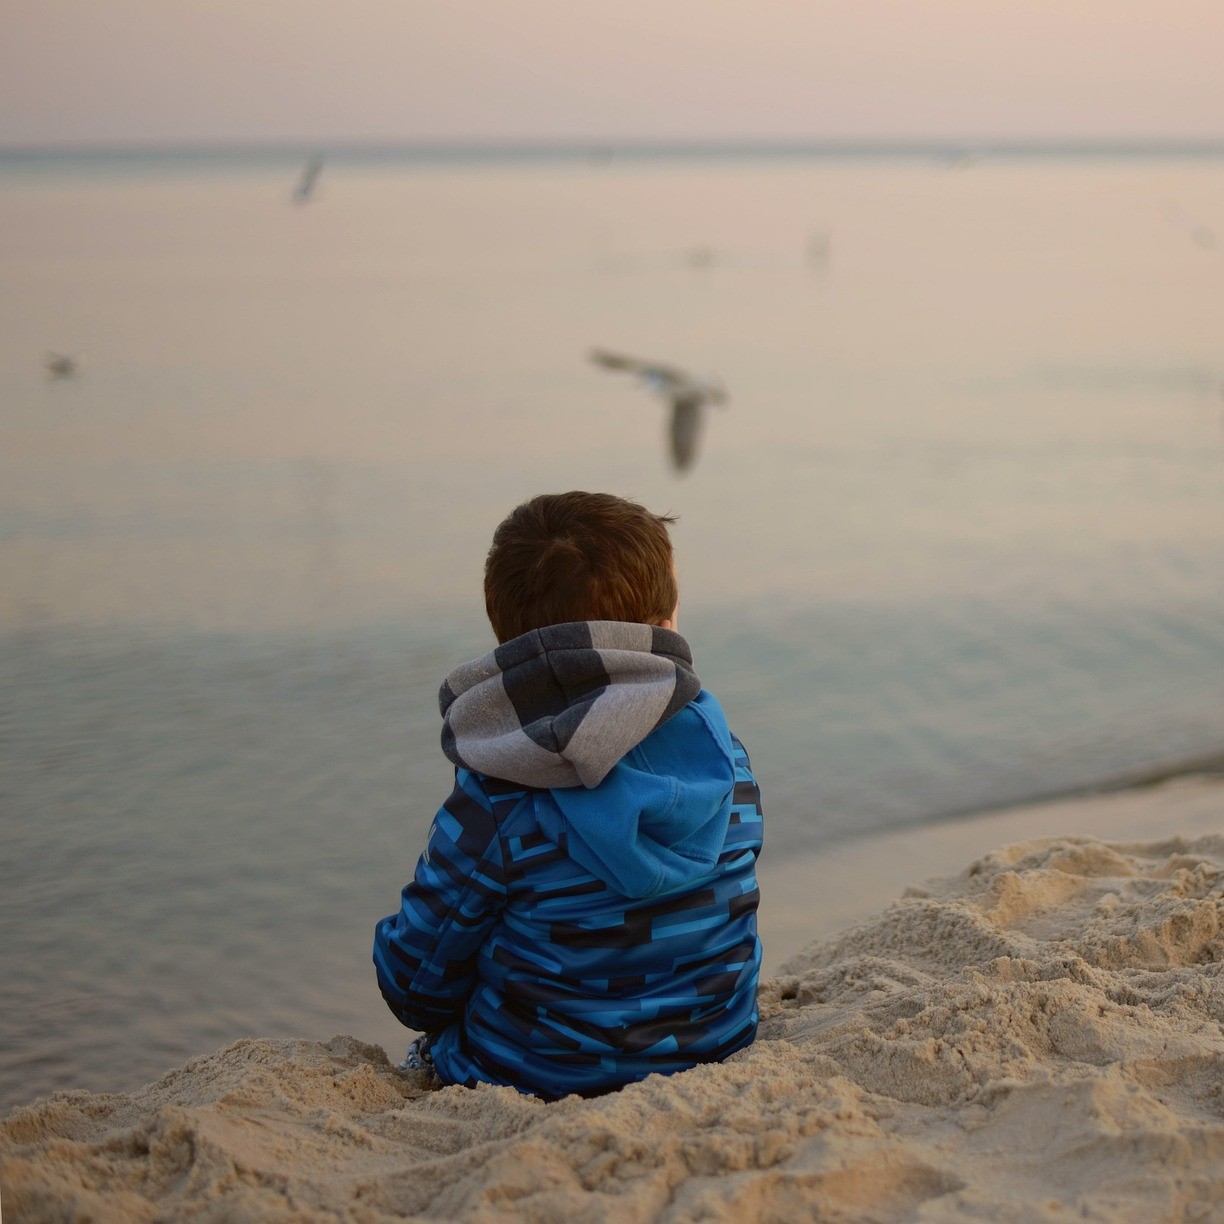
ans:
(498, 797)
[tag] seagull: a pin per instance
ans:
(962, 159)
(304, 190)
(1201, 235)
(686, 394)
(60, 365)
(819, 247)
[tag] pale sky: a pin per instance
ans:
(87, 71)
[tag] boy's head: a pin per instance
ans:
(579, 556)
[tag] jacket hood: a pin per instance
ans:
(632, 762)
(559, 706)
(659, 821)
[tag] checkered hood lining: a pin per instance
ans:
(559, 706)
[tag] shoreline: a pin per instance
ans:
(1018, 1015)
(828, 890)
(1206, 765)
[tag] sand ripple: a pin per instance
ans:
(1038, 1038)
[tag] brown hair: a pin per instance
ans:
(578, 556)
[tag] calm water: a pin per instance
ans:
(957, 541)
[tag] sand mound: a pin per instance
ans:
(1038, 1038)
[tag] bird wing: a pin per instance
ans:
(685, 426)
(306, 183)
(653, 370)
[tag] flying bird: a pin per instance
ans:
(304, 190)
(1201, 235)
(60, 365)
(687, 395)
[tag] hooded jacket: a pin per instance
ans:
(585, 911)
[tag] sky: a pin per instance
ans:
(204, 71)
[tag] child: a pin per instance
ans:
(584, 913)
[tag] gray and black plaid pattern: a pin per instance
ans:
(559, 706)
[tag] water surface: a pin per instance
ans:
(958, 540)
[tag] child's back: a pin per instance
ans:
(585, 912)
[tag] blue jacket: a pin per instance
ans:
(575, 938)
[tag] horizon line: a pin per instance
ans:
(627, 147)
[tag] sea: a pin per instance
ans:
(956, 540)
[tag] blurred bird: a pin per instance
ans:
(819, 247)
(962, 159)
(1203, 236)
(686, 394)
(304, 190)
(60, 365)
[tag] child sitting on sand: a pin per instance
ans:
(584, 913)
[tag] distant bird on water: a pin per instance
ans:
(686, 394)
(304, 190)
(60, 365)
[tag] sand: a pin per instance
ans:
(1039, 1036)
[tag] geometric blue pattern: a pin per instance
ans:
(528, 970)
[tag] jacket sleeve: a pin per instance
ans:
(426, 954)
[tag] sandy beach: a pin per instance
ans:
(1014, 1017)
